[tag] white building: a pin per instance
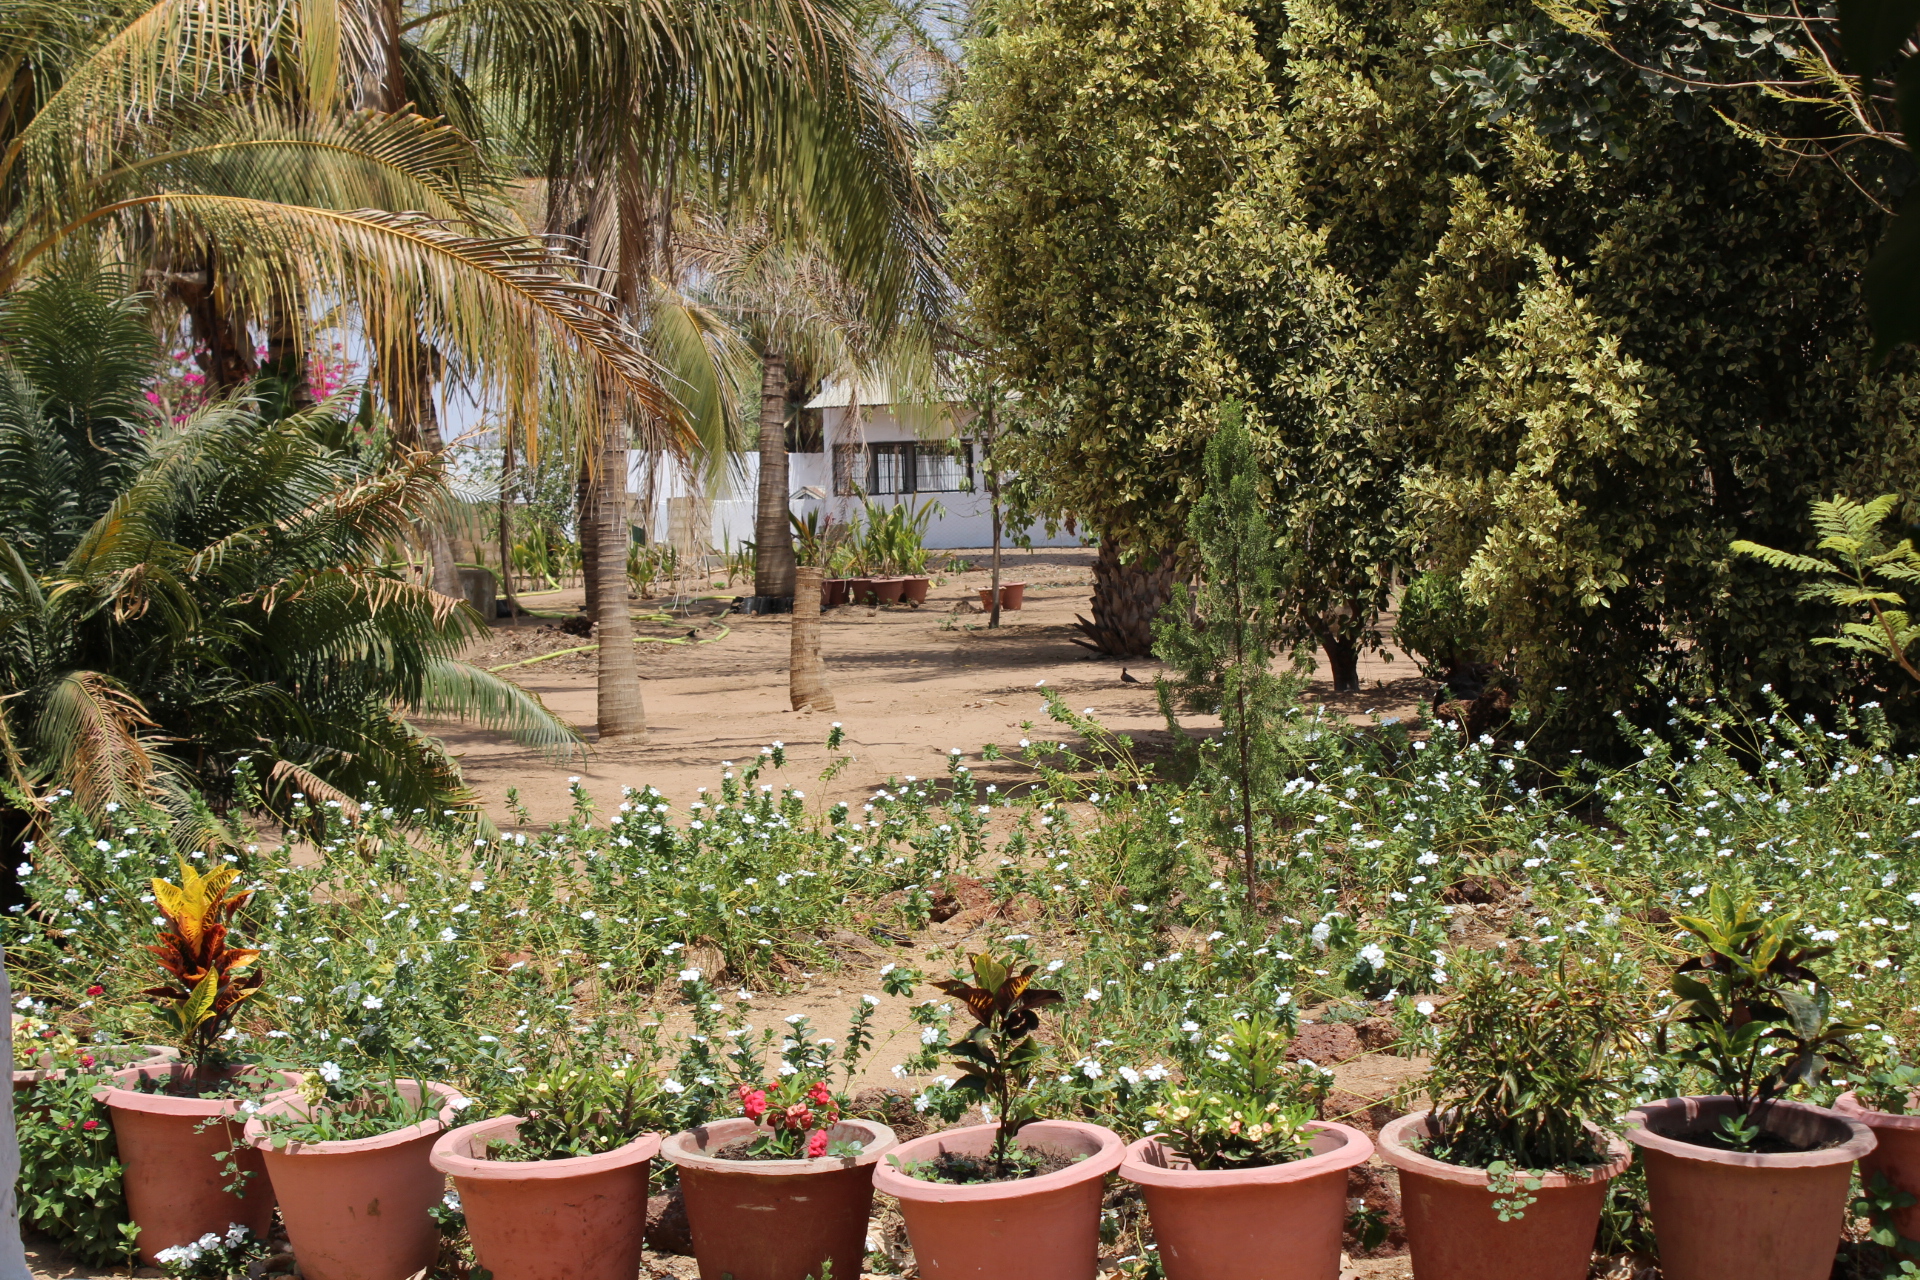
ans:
(846, 447)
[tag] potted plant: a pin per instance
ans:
(783, 1190)
(187, 1174)
(350, 1161)
(1241, 1182)
(1745, 1182)
(1887, 1101)
(1017, 1197)
(556, 1189)
(1012, 595)
(1505, 1177)
(46, 1051)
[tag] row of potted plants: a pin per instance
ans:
(1504, 1176)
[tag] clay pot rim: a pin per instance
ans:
(1850, 1106)
(120, 1094)
(158, 1055)
(1396, 1151)
(1355, 1148)
(1861, 1143)
(450, 1156)
(258, 1138)
(904, 1186)
(683, 1149)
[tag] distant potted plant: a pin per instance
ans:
(187, 1174)
(1012, 595)
(46, 1051)
(350, 1160)
(1505, 1177)
(556, 1188)
(1019, 1196)
(1241, 1182)
(1887, 1101)
(1745, 1182)
(783, 1190)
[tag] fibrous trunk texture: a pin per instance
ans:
(772, 534)
(1127, 597)
(806, 671)
(622, 714)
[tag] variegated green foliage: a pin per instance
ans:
(1864, 570)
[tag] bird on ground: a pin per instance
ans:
(694, 634)
(1127, 677)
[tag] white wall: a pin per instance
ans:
(967, 520)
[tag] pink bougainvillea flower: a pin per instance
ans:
(96, 990)
(816, 1142)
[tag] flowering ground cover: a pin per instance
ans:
(478, 957)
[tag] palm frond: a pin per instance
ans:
(89, 730)
(454, 690)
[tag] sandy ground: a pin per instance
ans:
(910, 684)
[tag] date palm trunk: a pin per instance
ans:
(773, 573)
(1127, 597)
(806, 669)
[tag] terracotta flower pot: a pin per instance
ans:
(357, 1210)
(1456, 1234)
(583, 1218)
(1282, 1222)
(1730, 1215)
(177, 1152)
(1897, 1154)
(887, 590)
(1012, 594)
(833, 591)
(860, 590)
(913, 589)
(1044, 1228)
(111, 1057)
(776, 1219)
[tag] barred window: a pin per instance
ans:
(905, 467)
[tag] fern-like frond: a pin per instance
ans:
(457, 691)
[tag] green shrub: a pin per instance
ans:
(1441, 626)
(70, 1171)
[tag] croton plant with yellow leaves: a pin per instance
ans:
(209, 979)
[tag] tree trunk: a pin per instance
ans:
(416, 421)
(622, 715)
(1126, 600)
(13, 1256)
(772, 530)
(993, 496)
(806, 670)
(1343, 660)
(586, 503)
(225, 349)
(507, 592)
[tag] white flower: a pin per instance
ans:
(1090, 1069)
(330, 1072)
(1374, 956)
(870, 1001)
(929, 1035)
(689, 975)
(1696, 890)
(1320, 934)
(1128, 1074)
(672, 1086)
(1093, 993)
(1424, 1008)
(372, 1002)
(236, 1235)
(1827, 935)
(1157, 1071)
(448, 935)
(1282, 1000)
(1428, 859)
(208, 1241)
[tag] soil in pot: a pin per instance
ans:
(1042, 1227)
(1278, 1222)
(1454, 1226)
(580, 1218)
(776, 1219)
(961, 1169)
(180, 1141)
(358, 1209)
(1735, 1215)
(1895, 1155)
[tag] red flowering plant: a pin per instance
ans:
(796, 1120)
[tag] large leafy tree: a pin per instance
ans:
(175, 599)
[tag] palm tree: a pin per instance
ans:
(628, 108)
(175, 600)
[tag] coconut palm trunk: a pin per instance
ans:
(622, 713)
(806, 669)
(773, 573)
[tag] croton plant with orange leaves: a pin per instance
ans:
(210, 979)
